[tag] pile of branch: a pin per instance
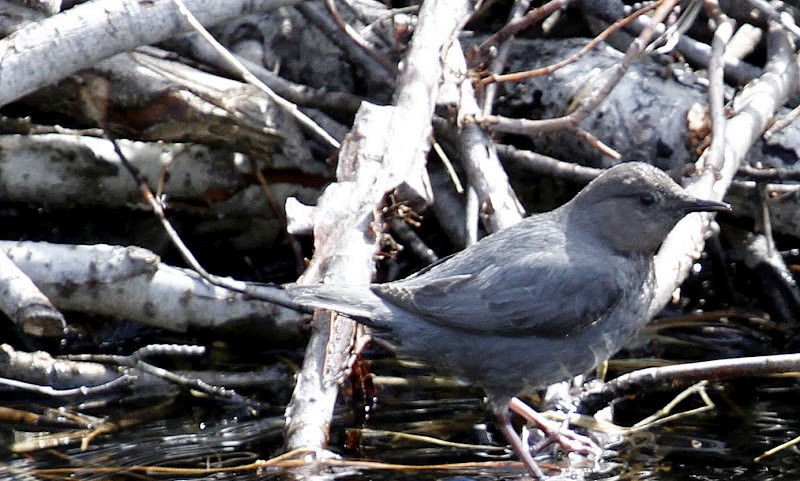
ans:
(136, 107)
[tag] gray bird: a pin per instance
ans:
(536, 303)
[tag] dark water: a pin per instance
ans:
(750, 417)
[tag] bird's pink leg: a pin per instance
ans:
(522, 452)
(568, 440)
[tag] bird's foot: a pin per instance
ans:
(567, 439)
(522, 451)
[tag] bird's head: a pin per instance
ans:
(634, 205)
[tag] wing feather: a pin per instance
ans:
(547, 299)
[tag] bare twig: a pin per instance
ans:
(713, 157)
(670, 377)
(500, 207)
(695, 51)
(520, 76)
(194, 46)
(611, 79)
(357, 39)
(784, 18)
(545, 165)
(487, 94)
(319, 17)
(252, 79)
(87, 391)
(136, 361)
(764, 174)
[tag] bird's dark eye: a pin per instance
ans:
(647, 198)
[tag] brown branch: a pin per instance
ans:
(479, 54)
(520, 76)
(612, 77)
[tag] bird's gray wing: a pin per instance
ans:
(541, 300)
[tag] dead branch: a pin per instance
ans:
(754, 107)
(49, 50)
(396, 137)
(131, 283)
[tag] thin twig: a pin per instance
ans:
(448, 166)
(520, 76)
(110, 386)
(252, 79)
(517, 23)
(136, 361)
(768, 174)
(487, 94)
(358, 40)
(545, 165)
(669, 377)
(265, 293)
(613, 76)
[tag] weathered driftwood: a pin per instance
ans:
(14, 15)
(42, 369)
(155, 99)
(26, 306)
(89, 173)
(47, 51)
(753, 108)
(131, 283)
(386, 149)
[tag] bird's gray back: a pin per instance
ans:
(527, 280)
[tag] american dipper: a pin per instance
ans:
(539, 302)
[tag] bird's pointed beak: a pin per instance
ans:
(700, 205)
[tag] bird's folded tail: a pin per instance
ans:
(357, 302)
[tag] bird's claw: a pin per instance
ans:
(553, 433)
(568, 440)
